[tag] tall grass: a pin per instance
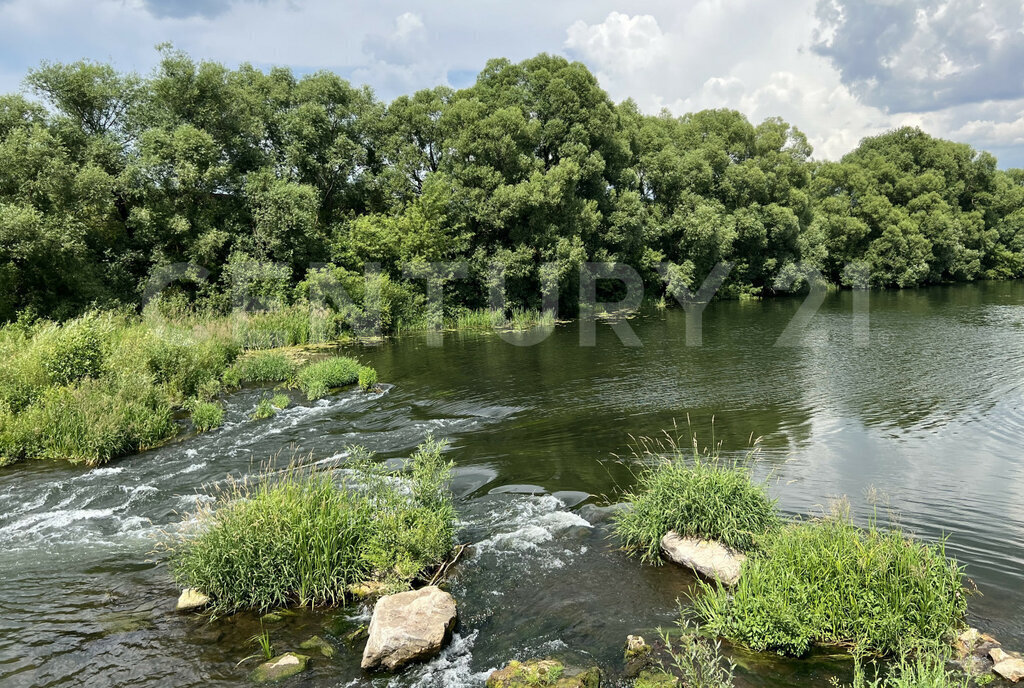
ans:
(695, 494)
(829, 581)
(302, 537)
(109, 383)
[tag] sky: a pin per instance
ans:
(839, 70)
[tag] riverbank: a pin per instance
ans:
(110, 383)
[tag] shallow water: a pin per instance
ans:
(931, 414)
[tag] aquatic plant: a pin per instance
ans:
(317, 379)
(917, 669)
(829, 581)
(264, 409)
(696, 494)
(280, 401)
(695, 659)
(207, 415)
(261, 367)
(303, 537)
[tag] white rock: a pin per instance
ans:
(190, 599)
(408, 626)
(1010, 668)
(708, 557)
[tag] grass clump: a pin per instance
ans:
(261, 367)
(207, 415)
(829, 581)
(280, 401)
(303, 537)
(317, 379)
(264, 409)
(699, 495)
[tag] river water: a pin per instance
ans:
(930, 414)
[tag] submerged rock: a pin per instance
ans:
(543, 672)
(655, 678)
(707, 557)
(636, 646)
(191, 599)
(319, 645)
(280, 667)
(408, 626)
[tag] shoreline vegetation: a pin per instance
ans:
(805, 582)
(112, 383)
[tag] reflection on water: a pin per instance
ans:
(931, 413)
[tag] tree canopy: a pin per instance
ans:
(107, 178)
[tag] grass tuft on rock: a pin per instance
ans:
(695, 494)
(304, 537)
(829, 581)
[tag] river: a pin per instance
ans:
(930, 413)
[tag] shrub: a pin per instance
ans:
(261, 367)
(207, 415)
(829, 581)
(367, 378)
(304, 537)
(317, 379)
(265, 409)
(700, 496)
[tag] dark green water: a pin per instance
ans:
(930, 413)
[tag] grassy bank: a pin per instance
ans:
(301, 537)
(111, 383)
(823, 580)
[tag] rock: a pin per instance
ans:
(318, 644)
(636, 646)
(367, 589)
(966, 642)
(1010, 668)
(280, 667)
(190, 599)
(997, 655)
(655, 679)
(708, 557)
(543, 672)
(408, 626)
(355, 636)
(973, 665)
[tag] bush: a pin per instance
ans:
(207, 415)
(261, 367)
(700, 496)
(317, 379)
(831, 582)
(302, 537)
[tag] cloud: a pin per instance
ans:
(923, 55)
(182, 9)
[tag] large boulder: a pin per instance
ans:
(191, 599)
(280, 667)
(707, 557)
(543, 672)
(408, 626)
(1008, 665)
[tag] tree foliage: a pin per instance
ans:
(113, 177)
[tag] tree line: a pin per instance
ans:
(254, 176)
